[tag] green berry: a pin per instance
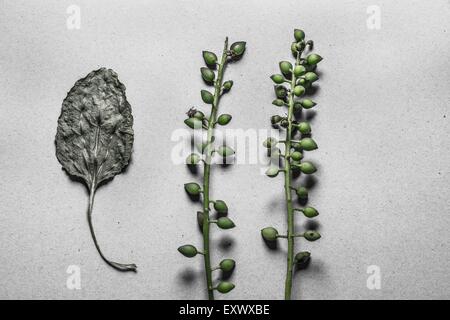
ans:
(192, 188)
(224, 119)
(304, 127)
(296, 156)
(225, 223)
(311, 76)
(193, 159)
(227, 85)
(225, 287)
(238, 48)
(277, 78)
(299, 70)
(227, 265)
(198, 115)
(193, 123)
(270, 142)
(210, 58)
(299, 35)
(207, 97)
(307, 168)
(220, 206)
(302, 192)
(310, 212)
(302, 258)
(272, 172)
(307, 103)
(207, 74)
(311, 235)
(280, 91)
(284, 123)
(313, 59)
(299, 90)
(269, 234)
(188, 250)
(225, 151)
(285, 67)
(275, 119)
(308, 144)
(278, 102)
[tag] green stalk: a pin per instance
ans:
(207, 171)
(288, 190)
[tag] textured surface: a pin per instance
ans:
(382, 127)
(94, 138)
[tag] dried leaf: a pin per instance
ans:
(94, 138)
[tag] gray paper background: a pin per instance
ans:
(382, 126)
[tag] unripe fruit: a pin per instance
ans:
(299, 70)
(307, 103)
(193, 159)
(311, 76)
(299, 35)
(307, 168)
(238, 48)
(311, 235)
(278, 102)
(193, 123)
(269, 234)
(313, 59)
(224, 119)
(302, 258)
(199, 115)
(308, 144)
(207, 97)
(270, 142)
(225, 287)
(225, 151)
(310, 212)
(280, 91)
(296, 156)
(272, 172)
(188, 250)
(207, 74)
(304, 127)
(275, 119)
(302, 192)
(299, 90)
(285, 67)
(210, 58)
(192, 188)
(227, 85)
(227, 265)
(277, 78)
(220, 206)
(225, 223)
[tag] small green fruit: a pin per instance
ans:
(311, 76)
(225, 223)
(277, 78)
(238, 48)
(225, 287)
(188, 250)
(285, 67)
(278, 102)
(307, 168)
(225, 151)
(311, 235)
(299, 35)
(210, 58)
(296, 146)
(227, 85)
(192, 188)
(299, 90)
(296, 156)
(193, 123)
(280, 91)
(269, 234)
(275, 119)
(302, 258)
(299, 70)
(220, 206)
(270, 142)
(294, 48)
(307, 103)
(272, 172)
(310, 212)
(207, 97)
(193, 159)
(313, 59)
(198, 115)
(302, 192)
(284, 123)
(207, 74)
(308, 144)
(224, 119)
(304, 127)
(227, 265)
(297, 106)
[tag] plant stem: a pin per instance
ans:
(288, 190)
(207, 171)
(115, 265)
